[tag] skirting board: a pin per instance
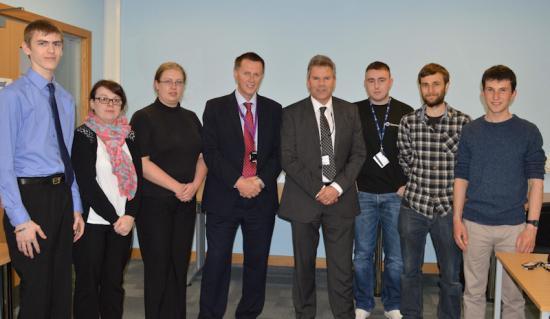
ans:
(288, 261)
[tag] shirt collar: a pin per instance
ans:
(37, 79)
(317, 104)
(241, 100)
(372, 103)
(448, 112)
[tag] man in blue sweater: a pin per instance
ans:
(500, 162)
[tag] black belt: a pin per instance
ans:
(55, 179)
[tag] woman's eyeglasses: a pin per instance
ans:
(171, 83)
(106, 100)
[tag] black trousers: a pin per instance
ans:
(45, 289)
(165, 229)
(100, 257)
(338, 234)
(257, 229)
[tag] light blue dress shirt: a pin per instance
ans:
(28, 143)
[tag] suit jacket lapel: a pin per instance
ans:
(310, 125)
(234, 121)
(263, 121)
(338, 124)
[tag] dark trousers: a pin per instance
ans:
(413, 229)
(257, 228)
(165, 229)
(100, 257)
(338, 236)
(45, 289)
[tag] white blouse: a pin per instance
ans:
(108, 183)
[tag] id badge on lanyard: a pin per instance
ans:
(380, 158)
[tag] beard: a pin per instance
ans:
(440, 98)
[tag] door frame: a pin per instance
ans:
(85, 48)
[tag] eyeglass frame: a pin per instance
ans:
(106, 101)
(170, 83)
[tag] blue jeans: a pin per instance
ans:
(413, 229)
(375, 209)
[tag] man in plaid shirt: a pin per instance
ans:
(428, 142)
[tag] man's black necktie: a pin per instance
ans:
(326, 145)
(69, 174)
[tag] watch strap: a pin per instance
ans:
(533, 222)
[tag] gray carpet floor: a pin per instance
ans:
(278, 296)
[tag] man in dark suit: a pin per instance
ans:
(241, 142)
(322, 152)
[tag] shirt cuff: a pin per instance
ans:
(337, 187)
(18, 217)
(77, 203)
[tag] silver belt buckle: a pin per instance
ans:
(56, 180)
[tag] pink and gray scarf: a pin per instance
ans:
(114, 136)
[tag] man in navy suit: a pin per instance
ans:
(241, 142)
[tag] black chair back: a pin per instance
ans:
(542, 244)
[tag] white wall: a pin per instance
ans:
(467, 37)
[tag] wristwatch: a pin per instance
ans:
(533, 222)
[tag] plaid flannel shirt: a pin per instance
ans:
(428, 156)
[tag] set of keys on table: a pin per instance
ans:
(535, 264)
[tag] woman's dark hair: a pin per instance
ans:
(111, 86)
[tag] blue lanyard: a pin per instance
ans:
(381, 131)
(250, 130)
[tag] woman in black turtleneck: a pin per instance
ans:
(173, 170)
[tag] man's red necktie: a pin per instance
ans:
(249, 168)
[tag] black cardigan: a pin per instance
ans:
(83, 157)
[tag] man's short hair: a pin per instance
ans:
(111, 86)
(377, 65)
(170, 66)
(321, 60)
(252, 56)
(499, 72)
(431, 69)
(43, 26)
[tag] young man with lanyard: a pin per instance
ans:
(37, 184)
(500, 162)
(381, 184)
(428, 142)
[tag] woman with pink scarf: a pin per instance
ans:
(107, 165)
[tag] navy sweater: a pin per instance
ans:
(497, 159)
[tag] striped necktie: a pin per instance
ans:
(329, 171)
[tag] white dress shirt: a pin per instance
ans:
(240, 101)
(329, 114)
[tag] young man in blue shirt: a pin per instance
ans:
(500, 163)
(37, 186)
